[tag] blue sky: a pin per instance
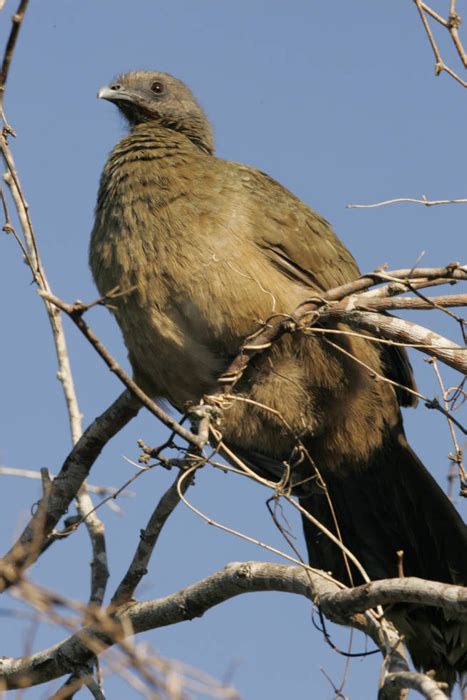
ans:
(338, 102)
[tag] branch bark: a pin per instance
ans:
(342, 606)
(347, 311)
(148, 540)
(401, 331)
(65, 487)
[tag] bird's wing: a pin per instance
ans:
(303, 246)
(295, 238)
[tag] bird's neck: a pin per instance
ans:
(192, 127)
(150, 140)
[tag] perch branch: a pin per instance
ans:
(236, 579)
(273, 328)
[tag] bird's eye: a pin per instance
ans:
(157, 87)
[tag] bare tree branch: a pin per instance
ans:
(64, 374)
(413, 200)
(452, 599)
(451, 24)
(428, 304)
(391, 327)
(99, 565)
(402, 331)
(148, 540)
(16, 20)
(235, 579)
(34, 474)
(64, 488)
(84, 503)
(425, 685)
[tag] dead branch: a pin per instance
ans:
(148, 540)
(16, 21)
(451, 24)
(93, 524)
(410, 303)
(35, 475)
(412, 200)
(407, 276)
(96, 530)
(452, 599)
(402, 331)
(236, 579)
(390, 327)
(425, 685)
(64, 373)
(65, 487)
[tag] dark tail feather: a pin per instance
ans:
(389, 505)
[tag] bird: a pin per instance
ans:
(208, 250)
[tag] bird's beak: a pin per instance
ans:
(106, 93)
(117, 94)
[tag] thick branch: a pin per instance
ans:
(404, 332)
(425, 685)
(191, 602)
(64, 488)
(452, 599)
(274, 328)
(235, 579)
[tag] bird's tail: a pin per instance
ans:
(395, 518)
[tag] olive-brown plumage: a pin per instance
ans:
(210, 248)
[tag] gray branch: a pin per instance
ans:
(64, 488)
(347, 607)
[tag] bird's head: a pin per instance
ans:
(144, 96)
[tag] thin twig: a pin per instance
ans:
(429, 403)
(426, 202)
(34, 474)
(16, 20)
(252, 540)
(112, 364)
(96, 529)
(455, 459)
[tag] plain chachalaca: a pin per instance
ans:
(210, 248)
